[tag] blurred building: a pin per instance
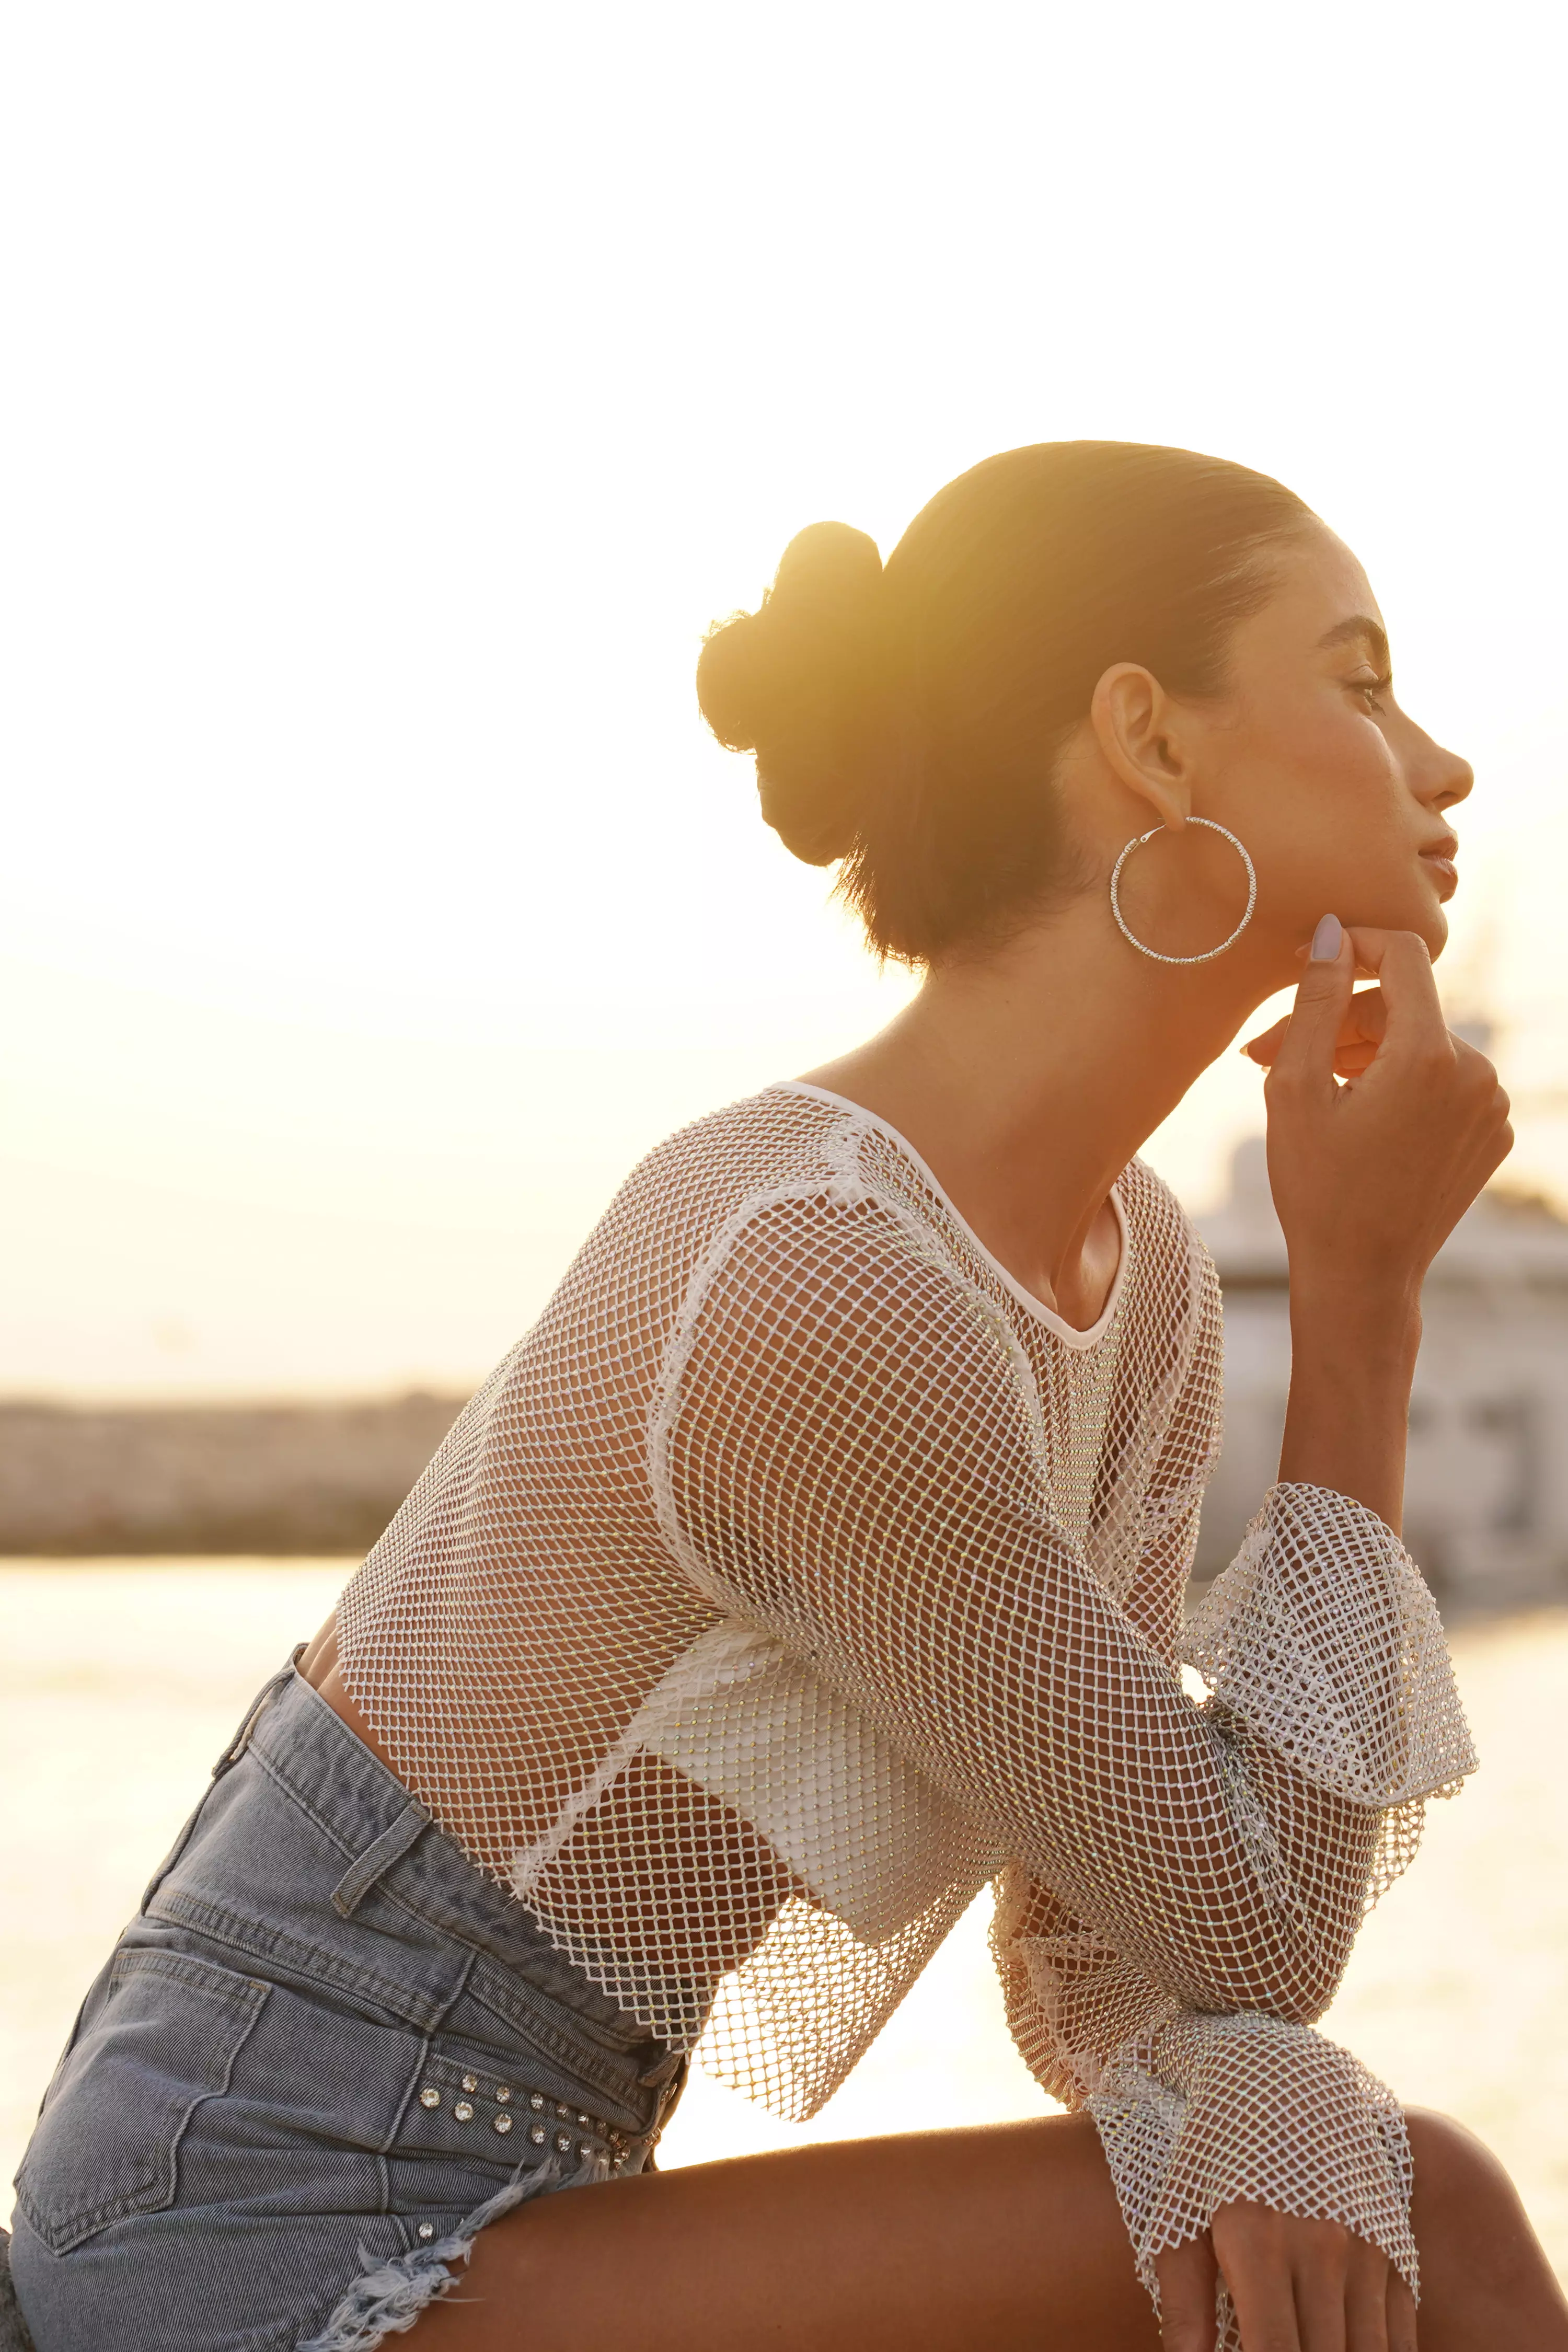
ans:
(1486, 1491)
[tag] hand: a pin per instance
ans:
(1370, 1178)
(1360, 1035)
(1298, 2287)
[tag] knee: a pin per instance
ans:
(1455, 2173)
(1464, 2201)
(1448, 2156)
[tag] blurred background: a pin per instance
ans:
(393, 395)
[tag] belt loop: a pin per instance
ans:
(231, 1756)
(389, 1847)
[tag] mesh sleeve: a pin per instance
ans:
(850, 1461)
(1321, 1642)
(850, 1457)
(1196, 2110)
(1211, 2110)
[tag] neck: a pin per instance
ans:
(1029, 1080)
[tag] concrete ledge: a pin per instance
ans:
(260, 1478)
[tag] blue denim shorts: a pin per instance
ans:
(323, 2055)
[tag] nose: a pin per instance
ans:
(1442, 778)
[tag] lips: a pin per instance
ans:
(1439, 863)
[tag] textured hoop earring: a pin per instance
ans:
(1137, 843)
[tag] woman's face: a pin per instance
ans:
(1340, 798)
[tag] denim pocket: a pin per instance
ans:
(164, 2038)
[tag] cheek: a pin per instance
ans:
(1331, 788)
(1321, 806)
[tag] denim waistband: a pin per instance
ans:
(401, 1871)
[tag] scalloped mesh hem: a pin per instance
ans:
(390, 2296)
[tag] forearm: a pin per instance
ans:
(1354, 1349)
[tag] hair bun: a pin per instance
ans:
(798, 682)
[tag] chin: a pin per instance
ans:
(1435, 931)
(1422, 913)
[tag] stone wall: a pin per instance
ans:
(303, 1477)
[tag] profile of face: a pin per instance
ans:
(1306, 756)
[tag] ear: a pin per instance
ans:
(1134, 723)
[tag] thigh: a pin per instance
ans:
(937, 2241)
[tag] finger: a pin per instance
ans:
(1259, 2276)
(1414, 1013)
(1306, 1054)
(1401, 2308)
(1187, 2277)
(1362, 1026)
(1367, 2277)
(1262, 1050)
(1265, 2310)
(1321, 2303)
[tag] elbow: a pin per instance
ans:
(1292, 1977)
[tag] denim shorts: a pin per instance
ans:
(325, 2053)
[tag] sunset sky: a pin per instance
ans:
(393, 395)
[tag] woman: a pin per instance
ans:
(820, 1557)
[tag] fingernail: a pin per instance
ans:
(1326, 940)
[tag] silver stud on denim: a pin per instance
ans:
(537, 2101)
(429, 2096)
(561, 2110)
(471, 2081)
(564, 2143)
(503, 2092)
(585, 2147)
(427, 2228)
(585, 2121)
(464, 2111)
(538, 2135)
(501, 2123)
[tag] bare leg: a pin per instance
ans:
(1008, 2237)
(938, 2242)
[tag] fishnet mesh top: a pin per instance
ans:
(799, 1573)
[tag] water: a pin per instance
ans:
(122, 1681)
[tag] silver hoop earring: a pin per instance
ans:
(1137, 843)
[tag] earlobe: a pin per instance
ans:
(1130, 714)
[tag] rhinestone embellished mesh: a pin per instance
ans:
(798, 1574)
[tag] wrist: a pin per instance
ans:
(1386, 1297)
(1374, 1327)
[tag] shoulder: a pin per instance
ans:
(778, 1193)
(812, 1250)
(780, 1136)
(1174, 1268)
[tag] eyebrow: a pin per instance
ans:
(1363, 626)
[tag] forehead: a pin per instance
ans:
(1321, 585)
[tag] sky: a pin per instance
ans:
(393, 395)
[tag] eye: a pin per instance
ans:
(1368, 689)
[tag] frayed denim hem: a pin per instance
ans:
(389, 2298)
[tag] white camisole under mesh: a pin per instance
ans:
(800, 1572)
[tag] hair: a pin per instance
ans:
(908, 719)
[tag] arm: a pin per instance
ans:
(1369, 1178)
(1243, 2124)
(849, 1460)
